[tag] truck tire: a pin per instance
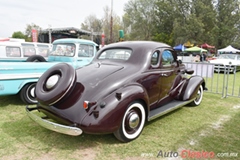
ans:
(57, 82)
(36, 58)
(27, 94)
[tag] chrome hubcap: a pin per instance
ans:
(32, 92)
(134, 120)
(198, 95)
(52, 81)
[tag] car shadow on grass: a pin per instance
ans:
(10, 100)
(28, 133)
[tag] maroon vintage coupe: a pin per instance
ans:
(127, 84)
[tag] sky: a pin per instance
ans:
(16, 14)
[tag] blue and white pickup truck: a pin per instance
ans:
(21, 77)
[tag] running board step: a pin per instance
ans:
(166, 109)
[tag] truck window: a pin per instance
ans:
(85, 50)
(43, 50)
(28, 50)
(13, 52)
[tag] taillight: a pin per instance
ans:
(87, 104)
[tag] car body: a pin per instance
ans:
(126, 84)
(226, 63)
(21, 51)
(21, 77)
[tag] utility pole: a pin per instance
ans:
(50, 33)
(111, 23)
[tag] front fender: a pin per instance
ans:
(111, 109)
(190, 88)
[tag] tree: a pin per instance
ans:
(19, 34)
(164, 17)
(139, 17)
(116, 26)
(227, 30)
(99, 26)
(95, 25)
(28, 31)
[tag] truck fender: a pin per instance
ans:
(27, 81)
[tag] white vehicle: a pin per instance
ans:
(227, 62)
(24, 51)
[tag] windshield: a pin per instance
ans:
(227, 56)
(63, 50)
(116, 54)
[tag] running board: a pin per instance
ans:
(153, 114)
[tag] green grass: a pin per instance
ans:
(225, 85)
(212, 126)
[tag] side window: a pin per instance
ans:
(43, 50)
(13, 52)
(167, 58)
(85, 50)
(29, 51)
(155, 58)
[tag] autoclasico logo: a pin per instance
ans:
(189, 154)
(186, 154)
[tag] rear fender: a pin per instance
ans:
(190, 88)
(112, 108)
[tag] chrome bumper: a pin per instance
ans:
(73, 131)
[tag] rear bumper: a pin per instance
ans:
(64, 129)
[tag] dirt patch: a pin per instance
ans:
(220, 122)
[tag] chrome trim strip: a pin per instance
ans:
(73, 131)
(19, 76)
(169, 110)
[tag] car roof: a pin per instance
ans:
(141, 50)
(74, 40)
(137, 44)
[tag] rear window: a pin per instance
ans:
(115, 54)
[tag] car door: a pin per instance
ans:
(163, 72)
(167, 76)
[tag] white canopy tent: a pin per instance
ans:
(229, 49)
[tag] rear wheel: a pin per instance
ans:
(27, 94)
(132, 123)
(198, 98)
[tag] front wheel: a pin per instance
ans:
(132, 123)
(27, 94)
(198, 98)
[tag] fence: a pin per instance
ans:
(225, 82)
